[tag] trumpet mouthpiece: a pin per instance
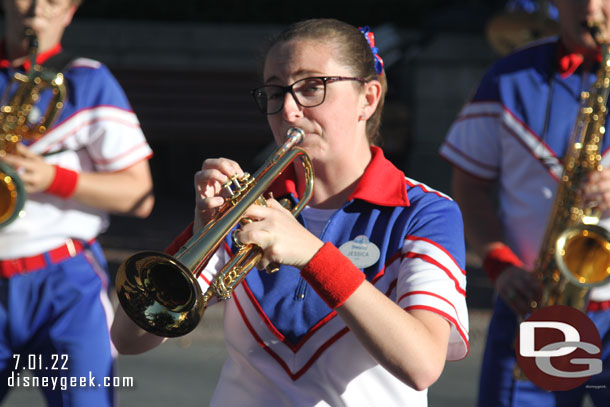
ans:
(296, 133)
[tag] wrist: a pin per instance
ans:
(332, 275)
(498, 259)
(64, 182)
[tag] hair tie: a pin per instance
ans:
(370, 38)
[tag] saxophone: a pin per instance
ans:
(575, 252)
(16, 103)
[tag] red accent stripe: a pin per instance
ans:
(448, 317)
(293, 347)
(438, 246)
(92, 121)
(461, 168)
(440, 297)
(470, 159)
(426, 190)
(430, 260)
(278, 359)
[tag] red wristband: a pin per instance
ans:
(332, 275)
(498, 259)
(180, 240)
(64, 182)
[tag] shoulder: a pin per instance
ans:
(90, 82)
(537, 60)
(418, 191)
(87, 68)
(426, 201)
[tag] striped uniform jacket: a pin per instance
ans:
(96, 131)
(510, 132)
(287, 347)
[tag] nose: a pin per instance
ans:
(291, 110)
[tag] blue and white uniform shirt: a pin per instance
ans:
(516, 130)
(97, 131)
(286, 345)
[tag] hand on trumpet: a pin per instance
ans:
(208, 188)
(283, 239)
(33, 170)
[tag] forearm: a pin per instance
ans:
(482, 225)
(129, 338)
(127, 192)
(410, 345)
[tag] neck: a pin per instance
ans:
(589, 54)
(336, 180)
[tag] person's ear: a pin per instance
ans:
(372, 95)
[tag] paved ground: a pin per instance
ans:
(183, 371)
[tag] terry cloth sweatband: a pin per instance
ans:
(498, 260)
(64, 182)
(332, 275)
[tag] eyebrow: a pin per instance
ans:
(303, 72)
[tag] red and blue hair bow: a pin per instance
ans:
(370, 38)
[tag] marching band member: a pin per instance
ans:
(512, 134)
(92, 161)
(369, 301)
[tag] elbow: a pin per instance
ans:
(423, 377)
(144, 207)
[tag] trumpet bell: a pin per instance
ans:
(163, 294)
(583, 255)
(12, 195)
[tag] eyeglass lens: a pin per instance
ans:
(308, 92)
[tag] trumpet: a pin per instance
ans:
(17, 102)
(161, 294)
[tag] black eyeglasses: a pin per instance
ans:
(307, 92)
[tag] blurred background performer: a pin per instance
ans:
(512, 135)
(521, 22)
(322, 331)
(93, 161)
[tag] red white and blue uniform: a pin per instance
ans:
(287, 347)
(53, 273)
(515, 131)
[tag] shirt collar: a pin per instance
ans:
(381, 184)
(40, 58)
(568, 62)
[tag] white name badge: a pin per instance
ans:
(360, 251)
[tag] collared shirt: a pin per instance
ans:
(287, 347)
(97, 131)
(516, 130)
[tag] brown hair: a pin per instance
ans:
(353, 51)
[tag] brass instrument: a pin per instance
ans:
(575, 252)
(160, 293)
(17, 102)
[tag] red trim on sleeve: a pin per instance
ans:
(180, 240)
(332, 275)
(64, 182)
(497, 260)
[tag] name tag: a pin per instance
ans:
(361, 251)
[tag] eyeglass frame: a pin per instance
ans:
(289, 89)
